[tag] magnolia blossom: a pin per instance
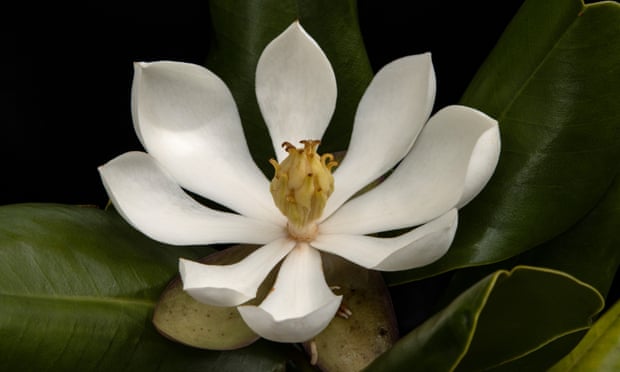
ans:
(188, 122)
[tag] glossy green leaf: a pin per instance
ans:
(77, 291)
(540, 359)
(552, 82)
(588, 251)
(598, 351)
(504, 317)
(242, 29)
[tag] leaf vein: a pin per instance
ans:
(121, 301)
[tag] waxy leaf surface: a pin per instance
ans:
(552, 82)
(505, 317)
(77, 291)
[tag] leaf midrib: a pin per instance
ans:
(542, 62)
(120, 301)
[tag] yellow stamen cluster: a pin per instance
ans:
(302, 183)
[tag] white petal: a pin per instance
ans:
(300, 305)
(232, 285)
(482, 163)
(296, 88)
(149, 200)
(452, 160)
(187, 119)
(419, 247)
(389, 117)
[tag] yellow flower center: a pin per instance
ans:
(301, 186)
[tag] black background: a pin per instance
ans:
(67, 73)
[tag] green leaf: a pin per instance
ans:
(552, 82)
(77, 291)
(588, 251)
(241, 31)
(541, 358)
(504, 317)
(598, 351)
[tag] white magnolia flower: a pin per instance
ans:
(187, 120)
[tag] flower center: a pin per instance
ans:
(301, 185)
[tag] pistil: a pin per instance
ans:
(301, 186)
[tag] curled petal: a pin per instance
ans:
(232, 285)
(419, 247)
(482, 163)
(451, 161)
(149, 199)
(300, 305)
(187, 119)
(296, 88)
(389, 117)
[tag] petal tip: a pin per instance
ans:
(296, 27)
(140, 65)
(212, 295)
(299, 329)
(295, 87)
(436, 244)
(297, 24)
(428, 56)
(416, 60)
